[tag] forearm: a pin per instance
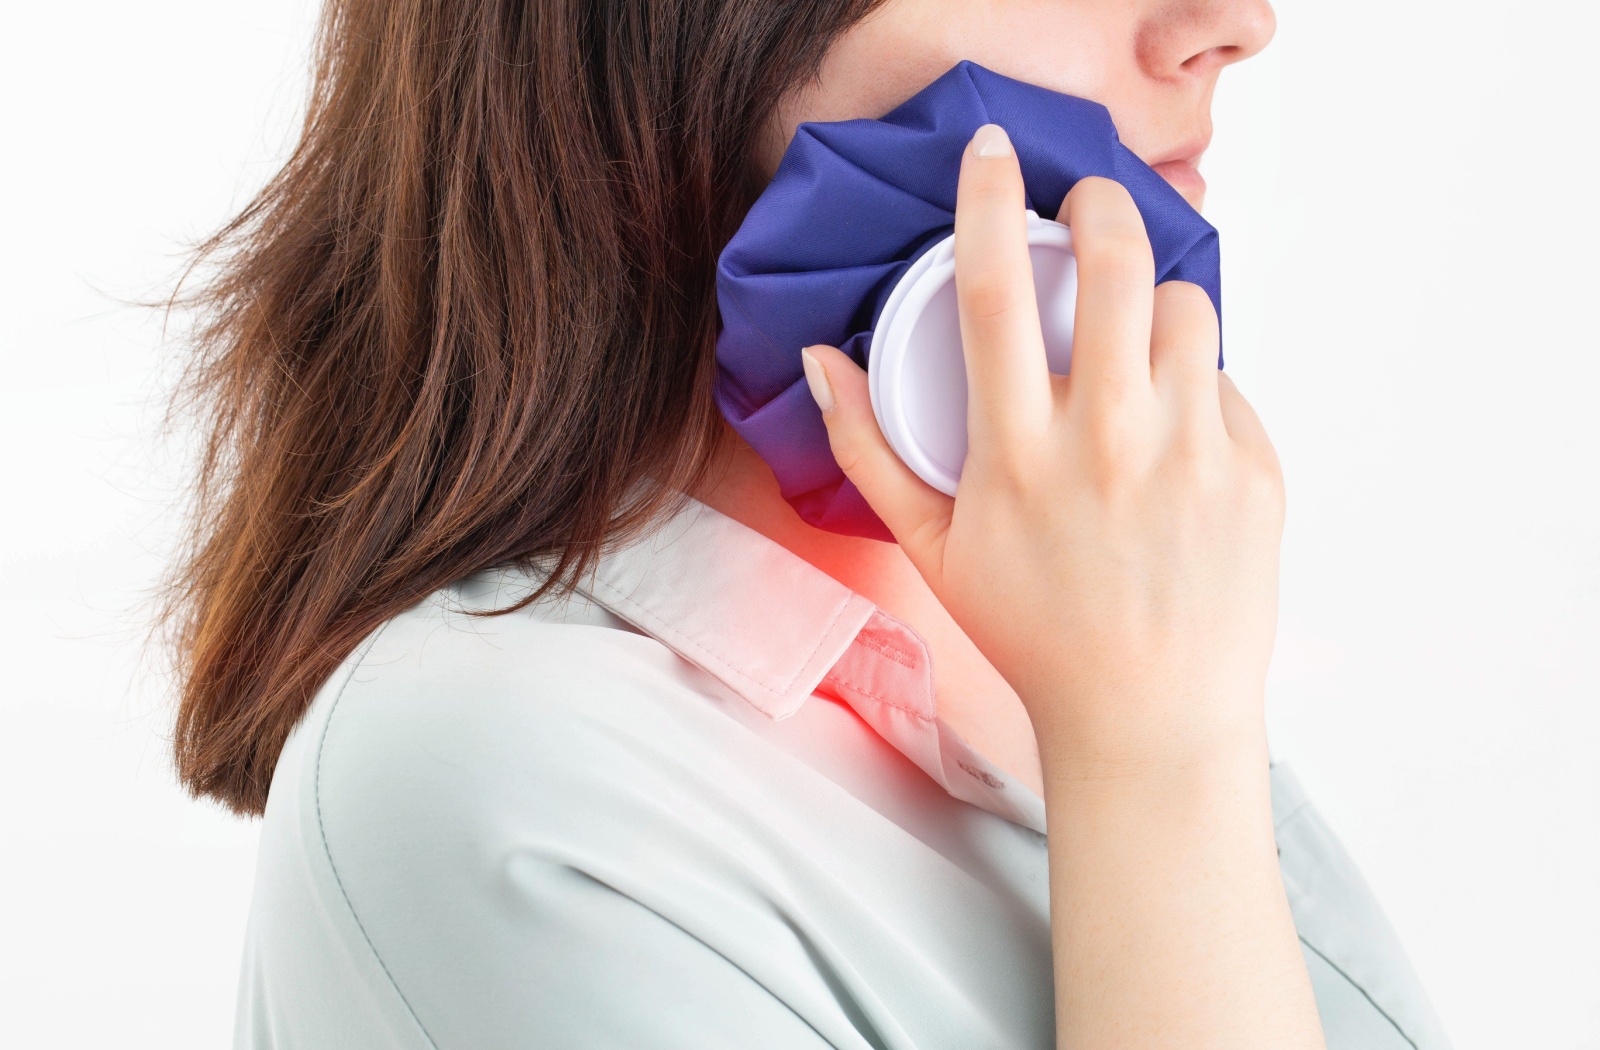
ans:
(1170, 924)
(1112, 549)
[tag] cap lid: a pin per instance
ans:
(916, 374)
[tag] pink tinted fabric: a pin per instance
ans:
(777, 630)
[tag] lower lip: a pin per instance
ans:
(1184, 177)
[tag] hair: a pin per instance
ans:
(470, 322)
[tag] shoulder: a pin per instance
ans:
(451, 713)
(516, 814)
(398, 804)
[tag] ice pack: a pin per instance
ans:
(856, 225)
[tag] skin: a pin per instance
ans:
(1154, 64)
(1100, 596)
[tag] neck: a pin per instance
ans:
(971, 695)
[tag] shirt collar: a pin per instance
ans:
(774, 628)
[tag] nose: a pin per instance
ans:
(1196, 38)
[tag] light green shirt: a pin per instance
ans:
(706, 803)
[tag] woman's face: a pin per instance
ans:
(1152, 63)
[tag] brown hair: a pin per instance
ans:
(471, 313)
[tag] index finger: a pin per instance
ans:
(1008, 376)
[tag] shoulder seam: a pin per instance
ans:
(322, 834)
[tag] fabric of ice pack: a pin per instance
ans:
(851, 207)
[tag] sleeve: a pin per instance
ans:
(536, 859)
(1367, 993)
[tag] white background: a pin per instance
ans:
(1406, 192)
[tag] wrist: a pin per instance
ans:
(1182, 751)
(1205, 792)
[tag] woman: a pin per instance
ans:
(568, 732)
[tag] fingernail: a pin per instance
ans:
(817, 380)
(991, 140)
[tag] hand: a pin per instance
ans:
(1112, 547)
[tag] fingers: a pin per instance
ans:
(1008, 377)
(1245, 428)
(1116, 290)
(1183, 351)
(916, 513)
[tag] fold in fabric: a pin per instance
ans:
(852, 206)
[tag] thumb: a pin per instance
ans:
(916, 513)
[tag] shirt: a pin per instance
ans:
(707, 801)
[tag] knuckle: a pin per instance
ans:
(1110, 394)
(996, 191)
(1004, 457)
(1114, 446)
(1116, 254)
(1194, 456)
(988, 295)
(1007, 477)
(1262, 480)
(1198, 483)
(849, 451)
(847, 455)
(1184, 296)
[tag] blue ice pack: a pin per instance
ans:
(858, 205)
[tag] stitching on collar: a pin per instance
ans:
(735, 667)
(822, 636)
(839, 679)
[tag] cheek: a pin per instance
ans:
(868, 71)
(1080, 47)
(1077, 47)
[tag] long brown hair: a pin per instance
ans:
(470, 319)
